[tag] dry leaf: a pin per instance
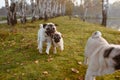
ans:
(17, 63)
(45, 73)
(66, 79)
(36, 61)
(80, 78)
(74, 70)
(21, 64)
(8, 70)
(49, 59)
(80, 63)
(15, 74)
(23, 74)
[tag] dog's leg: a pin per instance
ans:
(40, 46)
(48, 47)
(89, 76)
(61, 46)
(54, 50)
(86, 60)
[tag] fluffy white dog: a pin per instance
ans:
(103, 58)
(91, 45)
(44, 35)
(57, 41)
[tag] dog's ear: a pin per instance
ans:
(44, 25)
(56, 24)
(107, 52)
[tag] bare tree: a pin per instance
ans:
(50, 8)
(104, 12)
(8, 11)
(11, 12)
(38, 6)
(33, 6)
(69, 8)
(22, 7)
(83, 11)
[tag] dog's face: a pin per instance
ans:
(56, 37)
(50, 28)
(113, 53)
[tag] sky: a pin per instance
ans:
(2, 3)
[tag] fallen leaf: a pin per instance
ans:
(66, 79)
(23, 74)
(15, 74)
(80, 63)
(74, 70)
(21, 64)
(45, 73)
(17, 63)
(36, 61)
(80, 78)
(8, 70)
(8, 62)
(49, 59)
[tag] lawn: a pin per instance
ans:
(20, 59)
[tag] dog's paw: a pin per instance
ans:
(47, 52)
(61, 49)
(40, 51)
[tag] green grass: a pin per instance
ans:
(19, 54)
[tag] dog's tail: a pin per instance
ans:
(96, 34)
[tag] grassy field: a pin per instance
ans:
(20, 59)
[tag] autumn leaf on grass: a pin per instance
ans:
(23, 74)
(36, 61)
(66, 79)
(45, 73)
(74, 70)
(80, 63)
(80, 78)
(49, 58)
(8, 70)
(21, 64)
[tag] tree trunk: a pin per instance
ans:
(11, 12)
(8, 11)
(46, 10)
(22, 8)
(38, 6)
(33, 5)
(86, 5)
(104, 12)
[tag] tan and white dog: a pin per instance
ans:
(57, 40)
(44, 35)
(104, 58)
(91, 45)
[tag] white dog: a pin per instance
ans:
(91, 45)
(57, 41)
(44, 35)
(104, 58)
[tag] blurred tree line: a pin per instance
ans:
(93, 9)
(41, 9)
(45, 9)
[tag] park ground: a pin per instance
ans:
(20, 59)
